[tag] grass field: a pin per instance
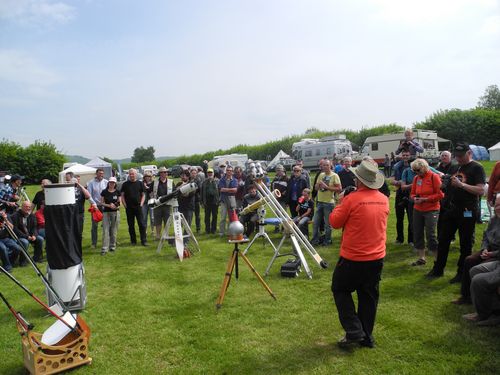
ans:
(151, 314)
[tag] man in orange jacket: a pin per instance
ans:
(361, 254)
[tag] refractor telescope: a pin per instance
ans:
(183, 190)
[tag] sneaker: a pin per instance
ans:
(345, 342)
(456, 279)
(145, 243)
(419, 262)
(367, 343)
(398, 242)
(103, 252)
(472, 317)
(411, 244)
(112, 249)
(434, 274)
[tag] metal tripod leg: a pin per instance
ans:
(297, 251)
(164, 235)
(190, 232)
(258, 235)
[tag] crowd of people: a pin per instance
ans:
(437, 204)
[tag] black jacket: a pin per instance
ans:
(21, 230)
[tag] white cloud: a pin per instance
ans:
(36, 12)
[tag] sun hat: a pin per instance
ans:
(369, 175)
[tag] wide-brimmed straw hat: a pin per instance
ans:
(369, 175)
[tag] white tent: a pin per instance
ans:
(86, 173)
(104, 165)
(278, 159)
(495, 152)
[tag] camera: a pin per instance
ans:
(445, 181)
(348, 190)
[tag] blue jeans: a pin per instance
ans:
(322, 214)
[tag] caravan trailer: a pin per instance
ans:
(235, 160)
(311, 150)
(378, 146)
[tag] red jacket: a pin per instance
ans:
(363, 216)
(428, 186)
(494, 182)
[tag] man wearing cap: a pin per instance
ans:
(8, 194)
(147, 181)
(209, 196)
(161, 186)
(460, 213)
(361, 256)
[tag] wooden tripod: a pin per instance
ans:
(233, 265)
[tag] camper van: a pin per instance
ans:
(378, 146)
(151, 168)
(312, 150)
(235, 160)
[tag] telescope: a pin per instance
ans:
(184, 190)
(265, 199)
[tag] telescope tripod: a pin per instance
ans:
(262, 231)
(179, 224)
(297, 252)
(233, 265)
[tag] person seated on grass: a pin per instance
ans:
(248, 220)
(24, 222)
(484, 290)
(9, 249)
(490, 251)
(305, 211)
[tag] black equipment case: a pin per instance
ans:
(291, 268)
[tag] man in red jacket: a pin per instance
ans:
(361, 254)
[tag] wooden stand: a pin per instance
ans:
(233, 265)
(71, 352)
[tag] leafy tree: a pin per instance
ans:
(142, 154)
(476, 126)
(9, 156)
(490, 99)
(41, 160)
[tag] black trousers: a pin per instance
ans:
(211, 211)
(402, 206)
(363, 278)
(197, 215)
(135, 213)
(448, 226)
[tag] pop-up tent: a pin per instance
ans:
(495, 152)
(86, 173)
(104, 165)
(281, 158)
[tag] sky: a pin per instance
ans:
(102, 77)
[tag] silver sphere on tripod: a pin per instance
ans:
(235, 231)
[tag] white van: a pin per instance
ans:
(152, 168)
(312, 150)
(235, 160)
(378, 146)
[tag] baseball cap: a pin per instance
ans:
(461, 148)
(112, 179)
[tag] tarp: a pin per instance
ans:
(495, 152)
(280, 155)
(86, 173)
(104, 165)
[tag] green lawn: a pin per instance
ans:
(151, 314)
